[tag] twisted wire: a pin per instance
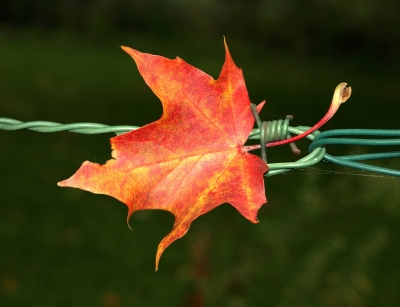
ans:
(47, 127)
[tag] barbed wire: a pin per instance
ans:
(317, 151)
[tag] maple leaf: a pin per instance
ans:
(193, 158)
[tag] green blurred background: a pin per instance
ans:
(329, 236)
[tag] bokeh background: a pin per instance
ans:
(328, 236)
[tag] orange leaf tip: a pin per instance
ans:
(126, 49)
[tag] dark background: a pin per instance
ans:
(328, 235)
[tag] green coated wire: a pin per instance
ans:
(326, 138)
(47, 127)
(348, 132)
(363, 142)
(374, 156)
(317, 151)
(362, 166)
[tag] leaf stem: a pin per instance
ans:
(341, 94)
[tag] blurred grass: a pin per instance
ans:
(327, 237)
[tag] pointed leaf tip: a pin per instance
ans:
(132, 52)
(227, 53)
(62, 183)
(125, 48)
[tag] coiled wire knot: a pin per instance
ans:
(272, 131)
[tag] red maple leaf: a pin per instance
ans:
(193, 158)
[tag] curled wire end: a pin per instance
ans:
(294, 148)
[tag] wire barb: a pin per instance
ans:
(272, 131)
